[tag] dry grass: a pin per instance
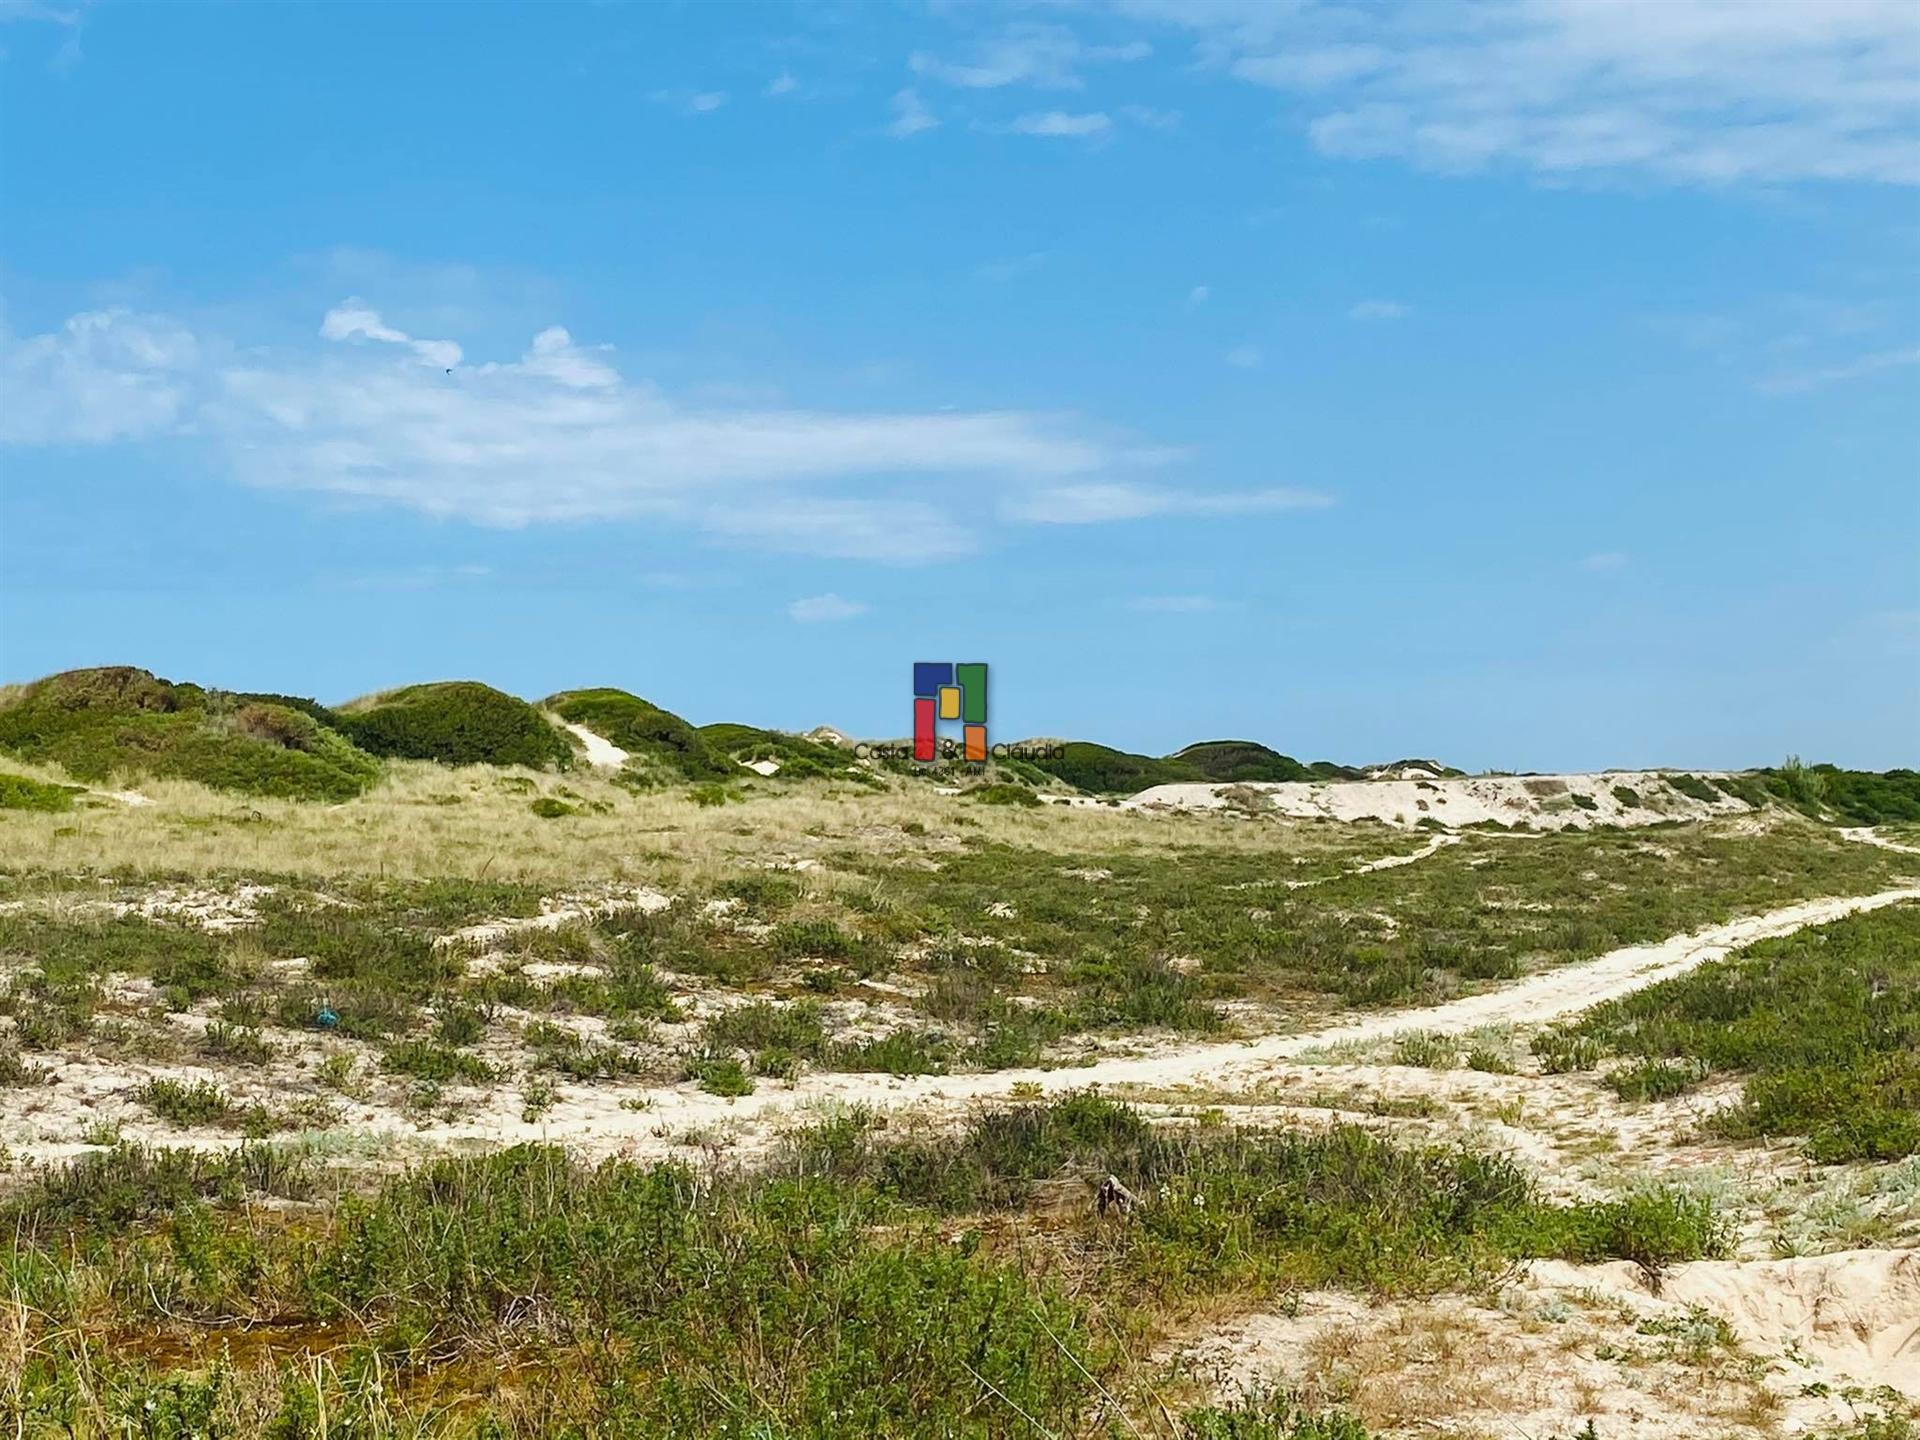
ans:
(425, 820)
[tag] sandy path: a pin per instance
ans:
(1389, 862)
(601, 754)
(1867, 835)
(593, 1119)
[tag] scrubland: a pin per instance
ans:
(744, 1109)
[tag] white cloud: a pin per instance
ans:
(1605, 562)
(1096, 501)
(1045, 56)
(825, 609)
(1683, 91)
(1060, 124)
(558, 435)
(1378, 310)
(104, 376)
(1244, 357)
(781, 84)
(910, 115)
(354, 319)
(1801, 381)
(690, 102)
(1199, 295)
(1149, 118)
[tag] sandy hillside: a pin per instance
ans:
(1544, 802)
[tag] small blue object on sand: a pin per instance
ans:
(326, 1019)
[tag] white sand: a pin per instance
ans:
(592, 1117)
(601, 754)
(1541, 801)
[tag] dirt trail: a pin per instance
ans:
(1388, 862)
(594, 1120)
(601, 754)
(1867, 835)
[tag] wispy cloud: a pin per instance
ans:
(1041, 55)
(1148, 118)
(1063, 125)
(1378, 310)
(559, 435)
(354, 320)
(690, 102)
(1684, 91)
(911, 115)
(824, 609)
(782, 84)
(1605, 562)
(1094, 502)
(104, 376)
(1199, 295)
(1799, 382)
(1244, 357)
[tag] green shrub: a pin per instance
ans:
(1272, 1416)
(797, 756)
(657, 738)
(816, 939)
(1655, 1079)
(457, 722)
(720, 1075)
(548, 808)
(1854, 797)
(904, 1052)
(186, 1103)
(15, 1073)
(241, 1044)
(1694, 787)
(433, 1064)
(1627, 796)
(1425, 1049)
(1102, 770)
(17, 792)
(1241, 761)
(118, 720)
(761, 1025)
(1003, 795)
(1561, 1052)
(107, 1190)
(571, 1054)
(1824, 1024)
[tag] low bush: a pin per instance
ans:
(1824, 1025)
(100, 723)
(457, 722)
(658, 739)
(17, 792)
(433, 1064)
(1003, 795)
(186, 1103)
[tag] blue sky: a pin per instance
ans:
(1530, 384)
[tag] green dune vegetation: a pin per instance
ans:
(1102, 770)
(661, 745)
(117, 720)
(797, 756)
(1240, 760)
(457, 722)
